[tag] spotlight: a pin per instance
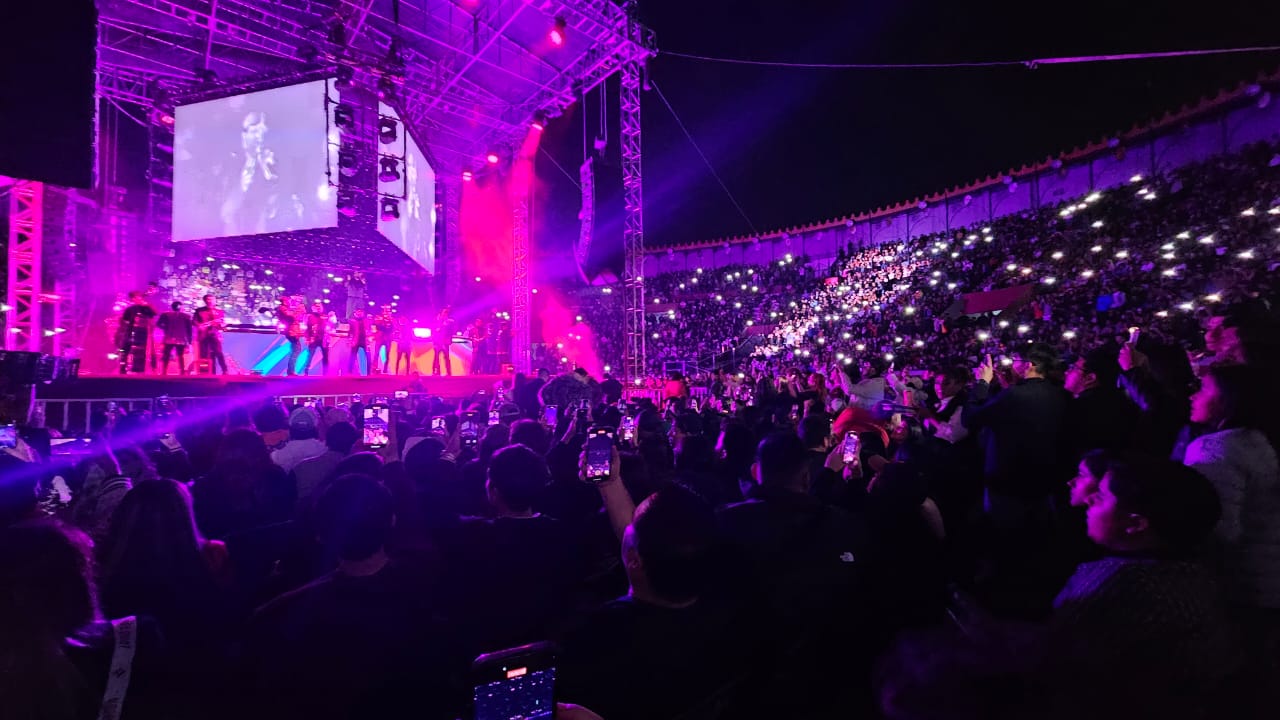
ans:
(492, 158)
(388, 169)
(345, 77)
(559, 28)
(390, 208)
(386, 88)
(387, 131)
(466, 176)
(337, 32)
(344, 116)
(539, 121)
(346, 205)
(347, 162)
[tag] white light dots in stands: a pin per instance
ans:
(1096, 248)
(699, 271)
(1162, 313)
(1049, 280)
(1003, 323)
(606, 291)
(1246, 255)
(1274, 211)
(1086, 274)
(1024, 329)
(919, 343)
(859, 347)
(1096, 224)
(951, 286)
(1184, 235)
(1169, 272)
(1068, 334)
(1168, 256)
(1025, 271)
(1213, 297)
(1248, 212)
(1187, 306)
(1011, 267)
(1122, 254)
(845, 336)
(1093, 197)
(1057, 255)
(1206, 240)
(1135, 179)
(750, 323)
(888, 357)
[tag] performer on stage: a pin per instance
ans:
(479, 347)
(355, 293)
(359, 336)
(133, 334)
(289, 317)
(442, 338)
(404, 345)
(317, 338)
(209, 321)
(154, 345)
(177, 336)
(384, 333)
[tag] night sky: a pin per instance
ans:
(797, 145)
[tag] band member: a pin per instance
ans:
(404, 346)
(359, 336)
(317, 338)
(154, 345)
(384, 334)
(442, 338)
(289, 317)
(355, 293)
(177, 336)
(479, 347)
(134, 333)
(209, 321)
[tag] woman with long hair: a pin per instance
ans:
(154, 562)
(56, 654)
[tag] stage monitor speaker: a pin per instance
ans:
(48, 62)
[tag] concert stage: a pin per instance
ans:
(67, 404)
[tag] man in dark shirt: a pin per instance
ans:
(611, 388)
(135, 330)
(362, 641)
(670, 646)
(208, 320)
(1099, 417)
(527, 396)
(512, 577)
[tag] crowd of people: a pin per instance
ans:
(895, 510)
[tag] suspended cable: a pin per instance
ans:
(1029, 64)
(702, 155)
(560, 167)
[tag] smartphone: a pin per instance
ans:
(437, 425)
(516, 684)
(693, 404)
(1134, 333)
(582, 412)
(402, 394)
(551, 415)
(628, 429)
(852, 446)
(493, 417)
(377, 423)
(469, 430)
(170, 442)
(599, 453)
(8, 436)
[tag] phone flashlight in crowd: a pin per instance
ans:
(515, 684)
(852, 446)
(550, 415)
(1005, 361)
(493, 417)
(628, 429)
(599, 453)
(437, 426)
(377, 424)
(1134, 333)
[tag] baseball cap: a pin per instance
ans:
(304, 417)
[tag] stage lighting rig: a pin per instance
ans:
(493, 157)
(539, 121)
(345, 77)
(388, 169)
(390, 208)
(387, 130)
(344, 117)
(386, 88)
(347, 162)
(559, 31)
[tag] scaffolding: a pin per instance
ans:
(633, 354)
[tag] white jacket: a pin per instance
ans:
(1244, 469)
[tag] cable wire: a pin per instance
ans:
(559, 167)
(702, 155)
(1029, 64)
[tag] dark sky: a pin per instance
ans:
(797, 145)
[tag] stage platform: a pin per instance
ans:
(67, 404)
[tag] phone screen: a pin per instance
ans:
(8, 436)
(599, 453)
(1134, 334)
(628, 428)
(437, 425)
(377, 421)
(852, 445)
(469, 429)
(515, 685)
(551, 415)
(493, 417)
(402, 394)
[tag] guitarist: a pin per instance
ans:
(289, 316)
(209, 321)
(134, 334)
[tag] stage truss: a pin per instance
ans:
(471, 75)
(23, 315)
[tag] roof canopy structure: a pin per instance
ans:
(470, 74)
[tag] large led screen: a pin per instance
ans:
(251, 164)
(414, 231)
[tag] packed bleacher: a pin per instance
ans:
(896, 509)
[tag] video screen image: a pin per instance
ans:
(524, 697)
(252, 163)
(414, 231)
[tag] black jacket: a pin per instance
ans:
(1020, 435)
(1100, 418)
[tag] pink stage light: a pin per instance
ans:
(422, 333)
(492, 158)
(466, 176)
(537, 125)
(557, 34)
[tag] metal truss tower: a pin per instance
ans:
(23, 326)
(520, 348)
(633, 307)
